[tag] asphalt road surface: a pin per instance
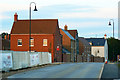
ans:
(68, 70)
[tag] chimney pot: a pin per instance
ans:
(65, 27)
(15, 17)
(105, 36)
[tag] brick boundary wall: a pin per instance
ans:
(81, 58)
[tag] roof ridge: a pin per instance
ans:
(38, 20)
(72, 30)
(94, 38)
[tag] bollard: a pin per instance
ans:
(105, 62)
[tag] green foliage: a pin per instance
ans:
(3, 35)
(113, 49)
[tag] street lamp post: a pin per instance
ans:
(113, 34)
(113, 25)
(30, 24)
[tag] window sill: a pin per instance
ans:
(44, 46)
(31, 45)
(19, 45)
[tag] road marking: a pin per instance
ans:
(101, 71)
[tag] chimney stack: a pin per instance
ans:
(105, 36)
(15, 17)
(65, 27)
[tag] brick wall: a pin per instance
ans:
(66, 57)
(66, 41)
(81, 58)
(38, 43)
(99, 59)
(81, 48)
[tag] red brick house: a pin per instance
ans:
(4, 41)
(4, 44)
(84, 49)
(45, 36)
(74, 34)
(68, 43)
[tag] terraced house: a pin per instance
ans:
(68, 44)
(45, 36)
(74, 33)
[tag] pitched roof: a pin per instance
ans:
(68, 34)
(73, 32)
(38, 26)
(96, 41)
(64, 50)
(83, 41)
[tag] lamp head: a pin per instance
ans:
(35, 9)
(109, 24)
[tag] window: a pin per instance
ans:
(44, 42)
(31, 42)
(19, 42)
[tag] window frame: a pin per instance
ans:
(31, 45)
(18, 42)
(46, 43)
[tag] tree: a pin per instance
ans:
(5, 34)
(113, 49)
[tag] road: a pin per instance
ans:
(68, 70)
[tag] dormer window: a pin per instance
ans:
(98, 43)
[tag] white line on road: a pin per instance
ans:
(101, 71)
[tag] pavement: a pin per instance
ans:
(66, 70)
(111, 71)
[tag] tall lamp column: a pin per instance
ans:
(113, 34)
(111, 24)
(30, 24)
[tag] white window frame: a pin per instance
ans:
(17, 42)
(45, 43)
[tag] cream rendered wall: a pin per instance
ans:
(106, 51)
(94, 51)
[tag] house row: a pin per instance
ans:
(4, 44)
(46, 36)
(4, 41)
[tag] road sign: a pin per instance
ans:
(58, 48)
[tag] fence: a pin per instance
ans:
(13, 60)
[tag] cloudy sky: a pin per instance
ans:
(89, 17)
